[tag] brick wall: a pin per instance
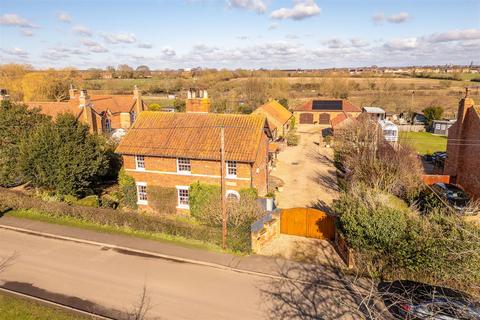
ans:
(316, 115)
(463, 149)
(160, 171)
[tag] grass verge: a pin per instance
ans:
(13, 307)
(424, 142)
(72, 222)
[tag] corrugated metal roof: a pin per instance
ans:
(373, 110)
(194, 135)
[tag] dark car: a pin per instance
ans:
(454, 195)
(413, 300)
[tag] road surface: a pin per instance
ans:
(98, 278)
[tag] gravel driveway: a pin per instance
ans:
(307, 171)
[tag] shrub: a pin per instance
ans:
(154, 107)
(163, 199)
(109, 201)
(292, 138)
(205, 206)
(116, 218)
(90, 201)
(128, 190)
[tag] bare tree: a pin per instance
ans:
(142, 307)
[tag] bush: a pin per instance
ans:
(292, 138)
(116, 218)
(397, 243)
(205, 206)
(109, 201)
(128, 190)
(154, 107)
(90, 201)
(162, 199)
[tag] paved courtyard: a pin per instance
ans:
(307, 171)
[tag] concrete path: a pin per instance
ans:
(307, 171)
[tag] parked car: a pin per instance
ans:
(413, 300)
(454, 195)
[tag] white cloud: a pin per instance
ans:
(16, 52)
(27, 33)
(335, 43)
(273, 26)
(292, 36)
(358, 43)
(378, 18)
(94, 46)
(64, 17)
(83, 31)
(399, 18)
(145, 45)
(253, 5)
(122, 37)
(11, 19)
(402, 44)
(455, 35)
(168, 52)
(301, 9)
(242, 37)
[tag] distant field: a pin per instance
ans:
(424, 142)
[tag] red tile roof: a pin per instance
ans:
(194, 135)
(346, 106)
(275, 110)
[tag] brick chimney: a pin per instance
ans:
(463, 106)
(137, 94)
(4, 95)
(88, 116)
(197, 101)
(72, 92)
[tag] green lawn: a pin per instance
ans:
(13, 307)
(68, 221)
(424, 142)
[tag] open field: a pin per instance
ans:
(13, 307)
(395, 94)
(424, 142)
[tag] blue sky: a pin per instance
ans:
(239, 33)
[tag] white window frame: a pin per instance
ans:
(140, 163)
(228, 165)
(183, 205)
(142, 196)
(184, 164)
(234, 193)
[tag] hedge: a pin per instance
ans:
(119, 218)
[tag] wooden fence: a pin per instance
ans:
(307, 222)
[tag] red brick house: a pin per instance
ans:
(323, 111)
(463, 148)
(103, 113)
(174, 150)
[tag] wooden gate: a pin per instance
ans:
(306, 118)
(307, 222)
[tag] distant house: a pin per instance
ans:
(463, 147)
(174, 149)
(375, 113)
(324, 110)
(441, 127)
(278, 117)
(102, 113)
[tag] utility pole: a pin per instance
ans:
(222, 189)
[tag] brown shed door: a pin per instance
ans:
(306, 118)
(324, 118)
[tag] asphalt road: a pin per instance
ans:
(98, 278)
